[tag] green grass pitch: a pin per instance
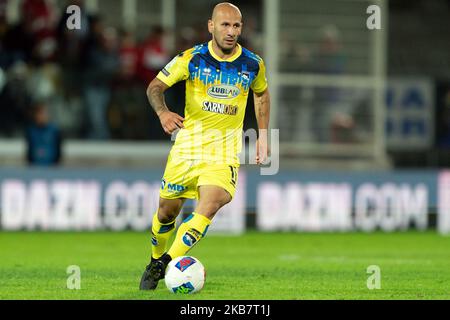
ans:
(253, 266)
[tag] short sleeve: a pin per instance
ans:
(175, 71)
(259, 84)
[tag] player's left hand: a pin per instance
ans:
(262, 150)
(171, 121)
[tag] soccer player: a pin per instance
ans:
(203, 163)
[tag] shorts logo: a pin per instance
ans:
(185, 263)
(223, 92)
(191, 237)
(172, 187)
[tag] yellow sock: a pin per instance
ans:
(161, 233)
(190, 232)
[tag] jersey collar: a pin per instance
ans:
(230, 59)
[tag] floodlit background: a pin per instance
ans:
(355, 107)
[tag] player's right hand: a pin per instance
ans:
(171, 121)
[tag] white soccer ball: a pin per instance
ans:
(185, 275)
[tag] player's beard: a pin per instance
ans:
(222, 47)
(227, 50)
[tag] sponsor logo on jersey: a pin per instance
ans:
(220, 108)
(223, 91)
(163, 184)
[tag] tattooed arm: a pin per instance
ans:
(170, 121)
(262, 111)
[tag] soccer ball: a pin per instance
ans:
(185, 275)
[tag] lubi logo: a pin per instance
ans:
(223, 92)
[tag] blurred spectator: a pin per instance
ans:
(129, 57)
(331, 114)
(127, 118)
(443, 114)
(3, 52)
(201, 34)
(71, 56)
(101, 66)
(3, 29)
(71, 47)
(3, 5)
(186, 37)
(43, 138)
(252, 38)
(329, 57)
(14, 100)
(40, 17)
(154, 55)
(2, 80)
(45, 47)
(38, 14)
(19, 42)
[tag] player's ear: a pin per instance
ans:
(210, 26)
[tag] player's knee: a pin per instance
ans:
(166, 216)
(167, 213)
(224, 200)
(211, 207)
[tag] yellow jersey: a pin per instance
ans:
(216, 97)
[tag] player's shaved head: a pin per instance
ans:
(225, 8)
(225, 26)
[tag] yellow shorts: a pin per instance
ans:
(183, 177)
